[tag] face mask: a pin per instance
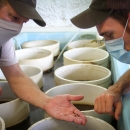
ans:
(116, 49)
(8, 30)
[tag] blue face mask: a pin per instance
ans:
(116, 49)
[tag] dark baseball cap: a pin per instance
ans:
(26, 8)
(97, 12)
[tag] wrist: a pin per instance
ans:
(120, 88)
(46, 101)
(115, 89)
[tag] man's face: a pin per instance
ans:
(111, 29)
(8, 13)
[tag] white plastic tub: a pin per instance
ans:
(36, 74)
(83, 73)
(51, 45)
(89, 91)
(53, 124)
(40, 58)
(12, 109)
(86, 43)
(2, 124)
(86, 56)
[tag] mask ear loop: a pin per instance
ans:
(125, 28)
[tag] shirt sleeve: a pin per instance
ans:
(7, 54)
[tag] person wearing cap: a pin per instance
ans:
(112, 20)
(13, 13)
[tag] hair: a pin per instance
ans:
(121, 16)
(3, 2)
(118, 4)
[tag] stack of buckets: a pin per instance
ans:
(86, 71)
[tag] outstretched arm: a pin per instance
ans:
(58, 107)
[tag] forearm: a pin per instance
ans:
(28, 91)
(122, 86)
(24, 87)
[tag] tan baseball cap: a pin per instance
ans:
(27, 9)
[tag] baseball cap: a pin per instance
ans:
(26, 8)
(97, 12)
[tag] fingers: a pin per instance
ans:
(77, 119)
(103, 105)
(107, 103)
(74, 97)
(73, 117)
(118, 109)
(80, 114)
(100, 104)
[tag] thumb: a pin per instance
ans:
(75, 97)
(118, 109)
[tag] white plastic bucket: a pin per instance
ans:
(86, 56)
(53, 124)
(83, 73)
(40, 58)
(36, 74)
(2, 124)
(51, 45)
(12, 109)
(87, 43)
(89, 91)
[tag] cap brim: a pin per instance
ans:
(90, 18)
(27, 11)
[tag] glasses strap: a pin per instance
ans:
(125, 28)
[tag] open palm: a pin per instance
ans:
(61, 108)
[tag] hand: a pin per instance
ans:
(109, 102)
(61, 108)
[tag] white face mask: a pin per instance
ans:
(8, 30)
(116, 49)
